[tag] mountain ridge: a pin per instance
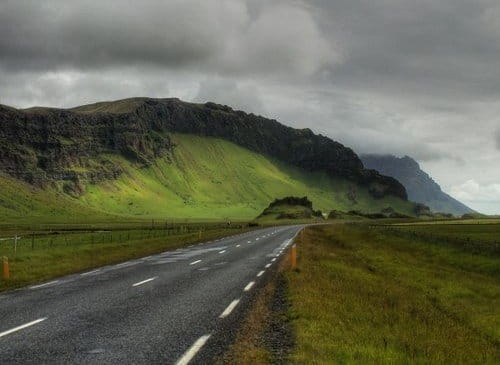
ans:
(68, 146)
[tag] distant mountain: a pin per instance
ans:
(420, 187)
(166, 157)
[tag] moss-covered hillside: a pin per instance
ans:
(203, 178)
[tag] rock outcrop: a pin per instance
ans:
(292, 207)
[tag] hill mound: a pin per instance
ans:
(291, 207)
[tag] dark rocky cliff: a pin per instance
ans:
(420, 186)
(46, 145)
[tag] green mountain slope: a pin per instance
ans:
(22, 203)
(47, 146)
(212, 178)
(169, 159)
(203, 178)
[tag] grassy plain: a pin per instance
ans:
(364, 295)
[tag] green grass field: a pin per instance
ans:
(467, 222)
(206, 178)
(464, 232)
(363, 296)
(49, 253)
(479, 236)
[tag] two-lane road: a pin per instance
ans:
(173, 307)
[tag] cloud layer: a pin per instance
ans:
(404, 77)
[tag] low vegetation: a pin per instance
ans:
(363, 295)
(482, 236)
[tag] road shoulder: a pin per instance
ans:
(265, 335)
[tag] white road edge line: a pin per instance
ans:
(15, 329)
(90, 272)
(195, 262)
(145, 281)
(249, 286)
(260, 273)
(229, 308)
(193, 350)
(42, 285)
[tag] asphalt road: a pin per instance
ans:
(179, 306)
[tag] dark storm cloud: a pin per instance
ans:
(217, 35)
(424, 49)
(389, 76)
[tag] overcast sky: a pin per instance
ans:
(420, 78)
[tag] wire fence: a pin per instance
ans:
(55, 237)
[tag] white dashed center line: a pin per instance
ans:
(145, 281)
(273, 259)
(268, 266)
(15, 329)
(249, 286)
(195, 262)
(126, 264)
(260, 273)
(229, 308)
(43, 285)
(193, 350)
(222, 251)
(238, 245)
(90, 272)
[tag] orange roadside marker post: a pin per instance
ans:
(6, 272)
(293, 256)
